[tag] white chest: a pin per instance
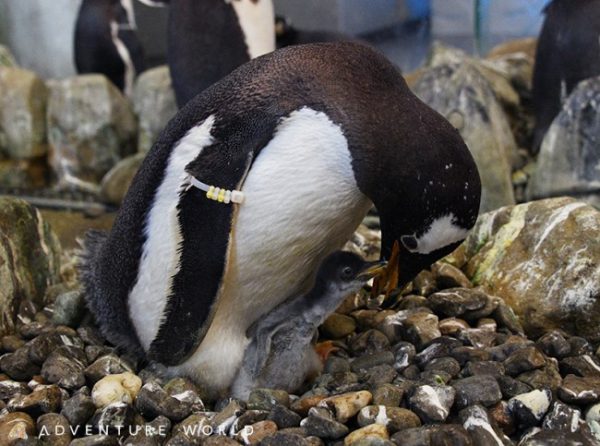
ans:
(301, 203)
(257, 20)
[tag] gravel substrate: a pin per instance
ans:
(442, 364)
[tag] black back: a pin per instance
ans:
(205, 44)
(568, 51)
(397, 143)
(95, 51)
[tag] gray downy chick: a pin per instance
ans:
(280, 354)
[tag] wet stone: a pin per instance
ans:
(14, 426)
(284, 439)
(455, 302)
(106, 365)
(338, 326)
(43, 399)
(425, 283)
(365, 362)
(579, 390)
(478, 337)
(78, 409)
(114, 417)
(369, 342)
(580, 346)
(585, 365)
(323, 427)
(472, 354)
(393, 418)
(18, 366)
(368, 435)
(69, 308)
(90, 335)
(421, 328)
(11, 343)
(432, 403)
(502, 417)
(381, 374)
(440, 347)
(449, 276)
(477, 423)
(412, 372)
(153, 433)
(452, 326)
(447, 364)
(506, 317)
(54, 429)
(524, 360)
(266, 399)
(32, 330)
(248, 418)
(194, 430)
(433, 435)
(41, 347)
(152, 400)
(122, 388)
(347, 405)
(435, 377)
(557, 438)
(548, 376)
(257, 432)
(389, 395)
(530, 408)
(554, 344)
(492, 368)
(335, 364)
(10, 388)
(226, 415)
(65, 367)
(305, 403)
(404, 353)
(562, 417)
(480, 389)
(284, 417)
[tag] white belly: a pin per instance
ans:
(302, 203)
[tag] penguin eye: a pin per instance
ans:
(347, 273)
(409, 242)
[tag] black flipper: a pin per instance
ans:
(206, 225)
(115, 325)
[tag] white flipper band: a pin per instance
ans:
(216, 193)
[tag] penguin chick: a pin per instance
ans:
(280, 354)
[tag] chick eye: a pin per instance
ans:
(409, 242)
(347, 273)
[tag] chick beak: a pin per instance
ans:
(373, 269)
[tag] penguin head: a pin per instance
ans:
(430, 213)
(343, 273)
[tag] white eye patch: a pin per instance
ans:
(441, 233)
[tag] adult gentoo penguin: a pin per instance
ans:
(210, 38)
(568, 52)
(280, 354)
(304, 141)
(105, 41)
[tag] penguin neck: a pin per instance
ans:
(322, 300)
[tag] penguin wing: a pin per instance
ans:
(205, 227)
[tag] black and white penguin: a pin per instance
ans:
(281, 354)
(568, 52)
(208, 39)
(258, 179)
(106, 42)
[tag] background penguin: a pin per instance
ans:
(313, 135)
(567, 53)
(280, 354)
(287, 35)
(105, 42)
(210, 38)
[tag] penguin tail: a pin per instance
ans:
(108, 315)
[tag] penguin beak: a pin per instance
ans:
(373, 269)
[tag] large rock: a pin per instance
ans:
(455, 86)
(569, 160)
(543, 258)
(118, 179)
(91, 126)
(154, 103)
(6, 57)
(29, 258)
(23, 98)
